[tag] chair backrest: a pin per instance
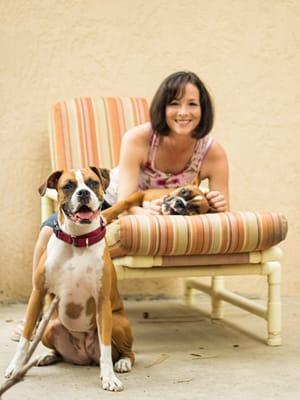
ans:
(86, 131)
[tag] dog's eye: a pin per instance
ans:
(68, 186)
(184, 193)
(94, 185)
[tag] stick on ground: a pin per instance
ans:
(37, 338)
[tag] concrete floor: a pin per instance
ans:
(181, 354)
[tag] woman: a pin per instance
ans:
(172, 150)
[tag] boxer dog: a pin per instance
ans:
(186, 200)
(90, 326)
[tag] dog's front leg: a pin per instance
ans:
(104, 326)
(111, 213)
(34, 309)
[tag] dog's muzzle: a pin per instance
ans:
(174, 205)
(83, 196)
(83, 208)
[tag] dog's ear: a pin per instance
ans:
(103, 174)
(50, 183)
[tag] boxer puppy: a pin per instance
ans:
(90, 326)
(186, 200)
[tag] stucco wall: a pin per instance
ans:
(246, 51)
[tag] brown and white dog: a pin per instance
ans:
(186, 200)
(90, 325)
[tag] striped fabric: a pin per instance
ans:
(85, 131)
(222, 233)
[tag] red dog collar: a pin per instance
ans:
(84, 240)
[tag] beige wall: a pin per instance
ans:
(246, 51)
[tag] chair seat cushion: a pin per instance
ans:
(219, 233)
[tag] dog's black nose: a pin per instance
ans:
(83, 195)
(179, 203)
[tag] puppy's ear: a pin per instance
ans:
(50, 183)
(103, 174)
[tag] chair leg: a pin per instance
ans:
(187, 297)
(274, 304)
(217, 283)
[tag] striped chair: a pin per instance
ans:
(86, 131)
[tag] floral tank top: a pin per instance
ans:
(151, 178)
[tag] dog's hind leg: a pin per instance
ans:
(122, 340)
(52, 357)
(49, 358)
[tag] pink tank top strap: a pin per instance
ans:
(202, 148)
(152, 150)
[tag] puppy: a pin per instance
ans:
(90, 326)
(186, 200)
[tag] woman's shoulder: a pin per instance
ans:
(214, 160)
(216, 150)
(139, 135)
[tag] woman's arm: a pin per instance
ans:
(215, 168)
(133, 154)
(131, 158)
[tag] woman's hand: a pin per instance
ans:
(217, 201)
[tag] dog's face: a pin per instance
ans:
(80, 192)
(187, 200)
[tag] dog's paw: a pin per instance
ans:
(19, 357)
(49, 359)
(12, 369)
(112, 383)
(123, 365)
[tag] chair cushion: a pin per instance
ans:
(220, 233)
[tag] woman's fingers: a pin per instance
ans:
(214, 194)
(217, 201)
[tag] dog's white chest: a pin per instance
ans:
(74, 275)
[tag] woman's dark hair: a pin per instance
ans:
(173, 87)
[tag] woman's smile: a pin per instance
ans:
(183, 122)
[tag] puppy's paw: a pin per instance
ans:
(112, 383)
(49, 359)
(123, 365)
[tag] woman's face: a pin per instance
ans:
(183, 114)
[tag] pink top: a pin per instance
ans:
(151, 178)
